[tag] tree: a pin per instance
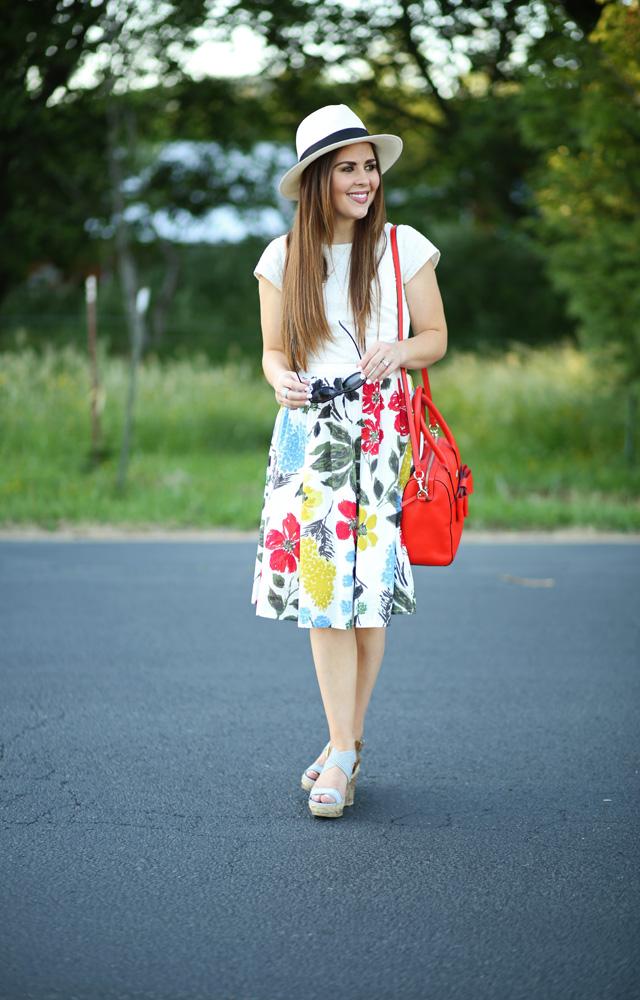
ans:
(44, 203)
(440, 72)
(581, 114)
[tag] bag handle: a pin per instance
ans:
(422, 401)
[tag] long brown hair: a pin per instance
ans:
(303, 317)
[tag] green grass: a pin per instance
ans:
(543, 437)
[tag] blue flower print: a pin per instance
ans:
(346, 607)
(304, 614)
(389, 566)
(347, 580)
(292, 441)
(350, 557)
(321, 622)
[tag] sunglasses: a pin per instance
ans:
(321, 391)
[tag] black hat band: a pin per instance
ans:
(343, 135)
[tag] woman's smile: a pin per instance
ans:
(354, 182)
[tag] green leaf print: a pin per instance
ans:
(331, 457)
(378, 489)
(336, 479)
(394, 464)
(340, 434)
(402, 600)
(321, 448)
(276, 602)
(278, 581)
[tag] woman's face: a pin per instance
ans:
(354, 181)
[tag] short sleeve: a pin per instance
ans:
(415, 250)
(271, 264)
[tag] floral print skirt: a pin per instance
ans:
(330, 552)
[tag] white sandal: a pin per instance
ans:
(346, 760)
(308, 782)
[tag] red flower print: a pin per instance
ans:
(350, 526)
(371, 437)
(286, 546)
(371, 398)
(397, 402)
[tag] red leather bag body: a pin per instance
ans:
(435, 500)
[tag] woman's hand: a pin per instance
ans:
(291, 392)
(381, 360)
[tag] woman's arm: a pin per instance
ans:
(274, 361)
(429, 342)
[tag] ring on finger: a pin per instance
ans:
(284, 392)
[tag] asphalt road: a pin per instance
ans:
(156, 844)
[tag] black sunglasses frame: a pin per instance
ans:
(322, 392)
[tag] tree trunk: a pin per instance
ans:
(128, 278)
(168, 290)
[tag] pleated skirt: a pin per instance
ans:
(330, 551)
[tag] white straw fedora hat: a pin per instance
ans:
(330, 128)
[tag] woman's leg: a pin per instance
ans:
(370, 652)
(347, 665)
(335, 653)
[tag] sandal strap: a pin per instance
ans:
(326, 791)
(312, 767)
(344, 759)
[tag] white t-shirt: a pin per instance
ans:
(414, 251)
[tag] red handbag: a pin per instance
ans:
(435, 500)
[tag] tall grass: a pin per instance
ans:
(542, 434)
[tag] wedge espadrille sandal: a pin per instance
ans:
(308, 782)
(346, 761)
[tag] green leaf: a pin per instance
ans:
(276, 602)
(278, 581)
(332, 457)
(402, 600)
(336, 479)
(340, 434)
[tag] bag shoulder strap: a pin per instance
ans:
(399, 284)
(414, 430)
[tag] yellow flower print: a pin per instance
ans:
(364, 533)
(405, 468)
(310, 500)
(316, 573)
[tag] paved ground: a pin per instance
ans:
(155, 842)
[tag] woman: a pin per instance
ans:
(330, 554)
